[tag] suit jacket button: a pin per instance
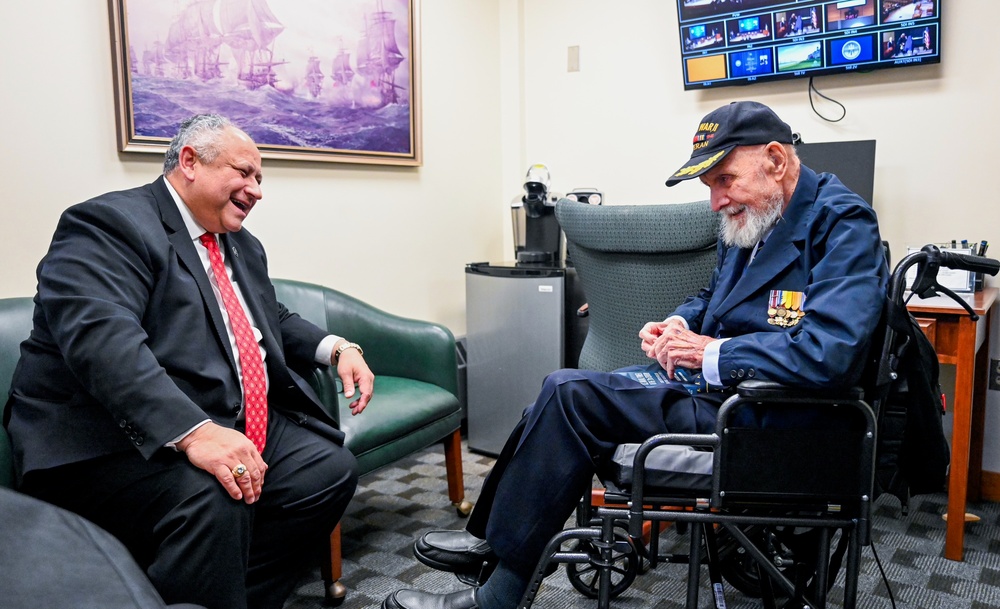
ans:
(751, 373)
(138, 441)
(236, 407)
(123, 423)
(732, 374)
(740, 374)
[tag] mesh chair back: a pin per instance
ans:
(636, 263)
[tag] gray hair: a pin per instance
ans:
(201, 132)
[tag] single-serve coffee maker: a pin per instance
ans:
(537, 236)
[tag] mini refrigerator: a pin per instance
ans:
(515, 336)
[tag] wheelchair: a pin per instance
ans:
(773, 510)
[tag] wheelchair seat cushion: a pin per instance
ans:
(672, 468)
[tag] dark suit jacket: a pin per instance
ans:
(827, 247)
(55, 558)
(129, 349)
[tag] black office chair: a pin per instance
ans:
(774, 510)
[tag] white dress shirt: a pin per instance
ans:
(324, 352)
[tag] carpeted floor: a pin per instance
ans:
(395, 505)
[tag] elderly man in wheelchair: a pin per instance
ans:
(795, 298)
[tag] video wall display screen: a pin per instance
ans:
(739, 42)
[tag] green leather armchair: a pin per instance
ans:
(15, 326)
(415, 402)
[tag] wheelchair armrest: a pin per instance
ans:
(769, 390)
(640, 462)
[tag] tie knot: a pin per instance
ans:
(208, 240)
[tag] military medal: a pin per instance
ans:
(784, 308)
(774, 318)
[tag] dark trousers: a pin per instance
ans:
(196, 543)
(550, 457)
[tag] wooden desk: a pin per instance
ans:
(964, 343)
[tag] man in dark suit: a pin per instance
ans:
(157, 342)
(797, 292)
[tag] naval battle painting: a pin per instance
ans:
(308, 80)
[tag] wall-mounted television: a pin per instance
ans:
(738, 42)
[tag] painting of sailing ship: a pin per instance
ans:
(307, 79)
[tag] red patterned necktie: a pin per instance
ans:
(254, 383)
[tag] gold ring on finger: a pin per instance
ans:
(239, 470)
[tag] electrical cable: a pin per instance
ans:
(813, 89)
(885, 578)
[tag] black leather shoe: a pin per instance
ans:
(416, 599)
(455, 552)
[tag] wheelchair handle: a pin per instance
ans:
(968, 262)
(929, 260)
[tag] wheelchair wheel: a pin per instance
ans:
(782, 547)
(742, 572)
(586, 577)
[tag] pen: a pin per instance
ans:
(982, 247)
(965, 243)
(982, 252)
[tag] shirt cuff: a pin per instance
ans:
(710, 362)
(173, 443)
(680, 319)
(324, 352)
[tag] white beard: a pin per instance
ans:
(756, 224)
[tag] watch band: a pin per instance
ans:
(345, 347)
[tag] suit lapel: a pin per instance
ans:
(734, 261)
(784, 247)
(179, 237)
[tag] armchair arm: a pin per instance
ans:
(326, 384)
(394, 345)
(6, 460)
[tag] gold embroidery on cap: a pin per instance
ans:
(685, 171)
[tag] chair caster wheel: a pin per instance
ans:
(625, 564)
(464, 508)
(336, 592)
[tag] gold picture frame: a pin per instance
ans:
(309, 80)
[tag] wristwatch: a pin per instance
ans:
(345, 347)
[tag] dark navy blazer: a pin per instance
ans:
(826, 247)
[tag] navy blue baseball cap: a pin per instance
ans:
(742, 123)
